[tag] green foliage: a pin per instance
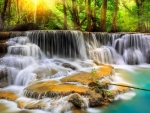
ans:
(128, 18)
(93, 71)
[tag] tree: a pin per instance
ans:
(18, 11)
(89, 15)
(3, 15)
(65, 14)
(140, 9)
(74, 11)
(103, 16)
(114, 22)
(94, 20)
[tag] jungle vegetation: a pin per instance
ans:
(85, 15)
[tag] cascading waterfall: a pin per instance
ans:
(37, 55)
(115, 48)
(69, 44)
(129, 48)
(100, 47)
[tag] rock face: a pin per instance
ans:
(75, 91)
(76, 100)
(67, 65)
(3, 47)
(53, 89)
(3, 84)
(87, 77)
(8, 95)
(3, 76)
(25, 27)
(98, 95)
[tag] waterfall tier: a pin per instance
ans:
(100, 47)
(33, 68)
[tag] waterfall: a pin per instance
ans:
(64, 44)
(132, 49)
(101, 47)
(38, 57)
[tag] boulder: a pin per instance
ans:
(76, 100)
(52, 88)
(3, 46)
(3, 84)
(25, 27)
(67, 65)
(3, 75)
(24, 111)
(88, 77)
(8, 95)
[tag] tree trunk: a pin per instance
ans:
(9, 14)
(140, 7)
(75, 15)
(114, 22)
(94, 20)
(18, 11)
(3, 15)
(65, 14)
(103, 16)
(89, 16)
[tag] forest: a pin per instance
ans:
(85, 15)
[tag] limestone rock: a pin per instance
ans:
(8, 95)
(24, 111)
(76, 100)
(25, 27)
(37, 105)
(3, 74)
(87, 77)
(52, 88)
(67, 65)
(3, 84)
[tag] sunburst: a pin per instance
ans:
(36, 6)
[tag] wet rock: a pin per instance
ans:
(77, 101)
(24, 111)
(3, 74)
(4, 36)
(52, 88)
(35, 105)
(25, 27)
(44, 72)
(3, 84)
(95, 98)
(87, 77)
(3, 47)
(98, 94)
(67, 65)
(3, 107)
(8, 95)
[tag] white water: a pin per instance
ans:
(26, 64)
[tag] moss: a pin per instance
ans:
(54, 88)
(8, 95)
(86, 77)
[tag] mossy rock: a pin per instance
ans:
(87, 77)
(52, 88)
(8, 95)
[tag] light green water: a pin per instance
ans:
(140, 103)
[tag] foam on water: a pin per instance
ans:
(25, 62)
(125, 96)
